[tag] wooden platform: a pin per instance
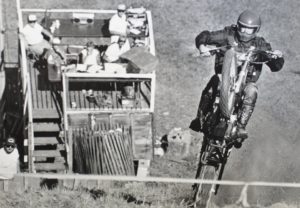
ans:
(89, 95)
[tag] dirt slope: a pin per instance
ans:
(271, 152)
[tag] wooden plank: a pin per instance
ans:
(107, 167)
(45, 113)
(47, 153)
(70, 153)
(45, 140)
(30, 147)
(122, 153)
(33, 84)
(92, 153)
(77, 158)
(38, 92)
(128, 152)
(111, 161)
(50, 166)
(99, 154)
(79, 101)
(115, 154)
(47, 94)
(46, 127)
(42, 83)
(44, 159)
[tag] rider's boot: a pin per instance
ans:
(243, 118)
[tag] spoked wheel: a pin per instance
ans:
(202, 193)
(227, 94)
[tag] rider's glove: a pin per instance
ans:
(204, 51)
(277, 54)
(242, 57)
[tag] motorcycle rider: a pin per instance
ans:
(243, 35)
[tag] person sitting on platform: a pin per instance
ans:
(32, 34)
(115, 50)
(91, 58)
(118, 24)
(90, 55)
(9, 159)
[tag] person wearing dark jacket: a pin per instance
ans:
(243, 35)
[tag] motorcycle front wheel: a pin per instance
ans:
(229, 74)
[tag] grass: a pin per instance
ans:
(111, 195)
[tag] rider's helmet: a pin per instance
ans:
(248, 24)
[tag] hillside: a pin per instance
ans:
(270, 154)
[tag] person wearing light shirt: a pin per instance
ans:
(9, 159)
(90, 55)
(32, 34)
(115, 50)
(118, 24)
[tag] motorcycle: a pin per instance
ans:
(220, 123)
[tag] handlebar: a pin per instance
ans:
(257, 56)
(261, 57)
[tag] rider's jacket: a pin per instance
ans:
(229, 36)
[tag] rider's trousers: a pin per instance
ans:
(248, 103)
(250, 94)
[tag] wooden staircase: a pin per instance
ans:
(49, 149)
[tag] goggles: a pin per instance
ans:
(10, 146)
(247, 30)
(119, 10)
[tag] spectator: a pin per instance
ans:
(90, 55)
(115, 50)
(9, 159)
(32, 34)
(56, 54)
(118, 24)
(56, 61)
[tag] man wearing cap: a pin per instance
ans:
(118, 24)
(116, 49)
(9, 159)
(32, 34)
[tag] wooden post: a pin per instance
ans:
(70, 153)
(143, 168)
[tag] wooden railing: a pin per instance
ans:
(27, 97)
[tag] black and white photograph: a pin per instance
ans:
(149, 103)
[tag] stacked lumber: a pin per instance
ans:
(103, 150)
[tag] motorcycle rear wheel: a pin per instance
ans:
(202, 193)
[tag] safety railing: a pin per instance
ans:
(27, 97)
(72, 180)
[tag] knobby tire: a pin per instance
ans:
(227, 94)
(203, 192)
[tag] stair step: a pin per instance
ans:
(45, 127)
(45, 159)
(45, 140)
(45, 114)
(47, 153)
(50, 166)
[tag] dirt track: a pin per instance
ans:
(270, 154)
